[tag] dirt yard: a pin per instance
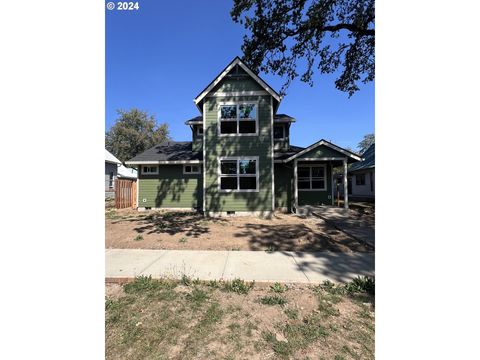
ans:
(165, 319)
(129, 229)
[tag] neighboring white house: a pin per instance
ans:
(113, 170)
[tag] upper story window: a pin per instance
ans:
(149, 170)
(238, 119)
(191, 169)
(312, 177)
(238, 174)
(199, 130)
(279, 132)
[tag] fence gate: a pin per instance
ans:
(125, 194)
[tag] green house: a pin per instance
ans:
(240, 160)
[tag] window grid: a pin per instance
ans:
(238, 119)
(238, 175)
(311, 179)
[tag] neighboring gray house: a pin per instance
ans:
(363, 175)
(361, 178)
(113, 170)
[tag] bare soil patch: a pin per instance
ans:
(129, 229)
(164, 319)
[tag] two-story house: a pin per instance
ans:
(240, 160)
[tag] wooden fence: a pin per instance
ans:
(125, 194)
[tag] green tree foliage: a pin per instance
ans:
(368, 140)
(134, 132)
(323, 35)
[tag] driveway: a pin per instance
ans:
(279, 266)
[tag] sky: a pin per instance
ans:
(158, 58)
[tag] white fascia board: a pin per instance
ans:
(219, 78)
(320, 143)
(164, 162)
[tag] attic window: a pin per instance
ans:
(238, 119)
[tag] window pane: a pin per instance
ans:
(248, 183)
(247, 127)
(318, 184)
(303, 172)
(278, 132)
(228, 127)
(317, 172)
(228, 183)
(194, 168)
(248, 111)
(228, 111)
(228, 167)
(188, 169)
(200, 129)
(247, 166)
(303, 184)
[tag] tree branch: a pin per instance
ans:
(350, 27)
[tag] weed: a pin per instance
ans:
(273, 300)
(147, 285)
(183, 240)
(186, 280)
(278, 288)
(291, 313)
(271, 248)
(235, 249)
(339, 357)
(361, 284)
(214, 284)
(197, 296)
(138, 238)
(238, 286)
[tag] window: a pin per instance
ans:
(238, 174)
(191, 169)
(149, 170)
(279, 132)
(110, 180)
(199, 130)
(360, 179)
(238, 119)
(311, 177)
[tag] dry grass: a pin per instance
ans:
(191, 231)
(151, 319)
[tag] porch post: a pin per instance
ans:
(295, 178)
(345, 184)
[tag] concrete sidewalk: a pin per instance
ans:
(281, 266)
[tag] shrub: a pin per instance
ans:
(361, 284)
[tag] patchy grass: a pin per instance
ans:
(273, 300)
(278, 288)
(166, 319)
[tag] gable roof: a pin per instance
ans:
(167, 152)
(368, 160)
(326, 143)
(237, 61)
(110, 158)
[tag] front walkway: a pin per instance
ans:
(281, 266)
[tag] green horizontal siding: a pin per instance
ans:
(283, 186)
(321, 151)
(217, 146)
(170, 189)
(237, 84)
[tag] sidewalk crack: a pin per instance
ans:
(225, 265)
(153, 262)
(300, 267)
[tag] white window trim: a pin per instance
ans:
(149, 173)
(324, 177)
(192, 172)
(284, 137)
(237, 175)
(237, 120)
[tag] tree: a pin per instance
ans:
(368, 140)
(329, 35)
(134, 132)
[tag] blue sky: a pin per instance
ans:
(160, 57)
